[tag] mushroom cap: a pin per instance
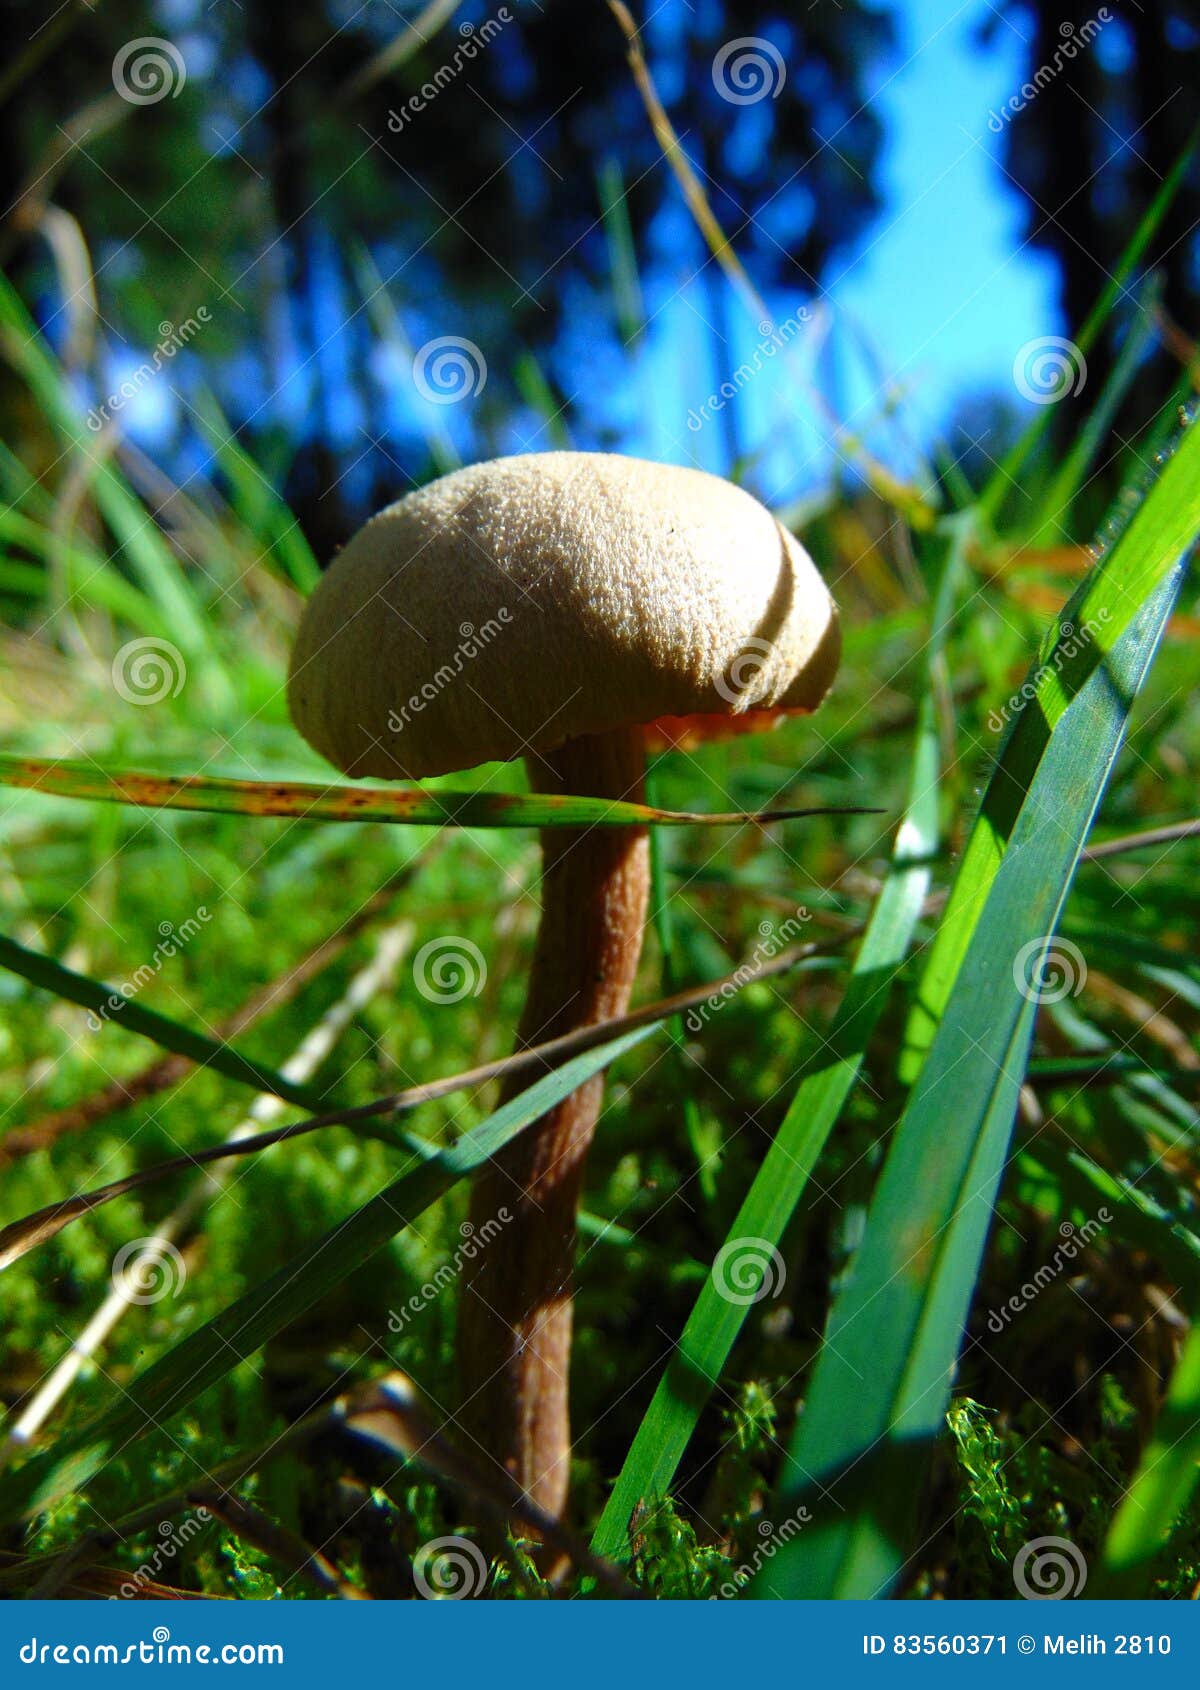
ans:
(526, 601)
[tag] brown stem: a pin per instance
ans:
(514, 1324)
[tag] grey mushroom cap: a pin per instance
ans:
(527, 601)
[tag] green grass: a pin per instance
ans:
(900, 1132)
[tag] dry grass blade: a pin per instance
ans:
(413, 806)
(21, 1236)
(1138, 841)
(903, 498)
(388, 60)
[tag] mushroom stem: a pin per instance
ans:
(514, 1332)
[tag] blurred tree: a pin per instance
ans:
(1112, 110)
(770, 108)
(298, 166)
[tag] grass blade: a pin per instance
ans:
(408, 805)
(108, 1004)
(1162, 1486)
(882, 1380)
(170, 1384)
(1056, 506)
(1161, 529)
(138, 537)
(262, 512)
(1140, 1221)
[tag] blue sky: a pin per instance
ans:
(948, 291)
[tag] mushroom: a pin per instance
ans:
(559, 607)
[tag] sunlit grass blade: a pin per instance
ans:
(701, 1135)
(43, 971)
(413, 806)
(1161, 1487)
(715, 1321)
(86, 576)
(169, 1385)
(878, 1395)
(1082, 638)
